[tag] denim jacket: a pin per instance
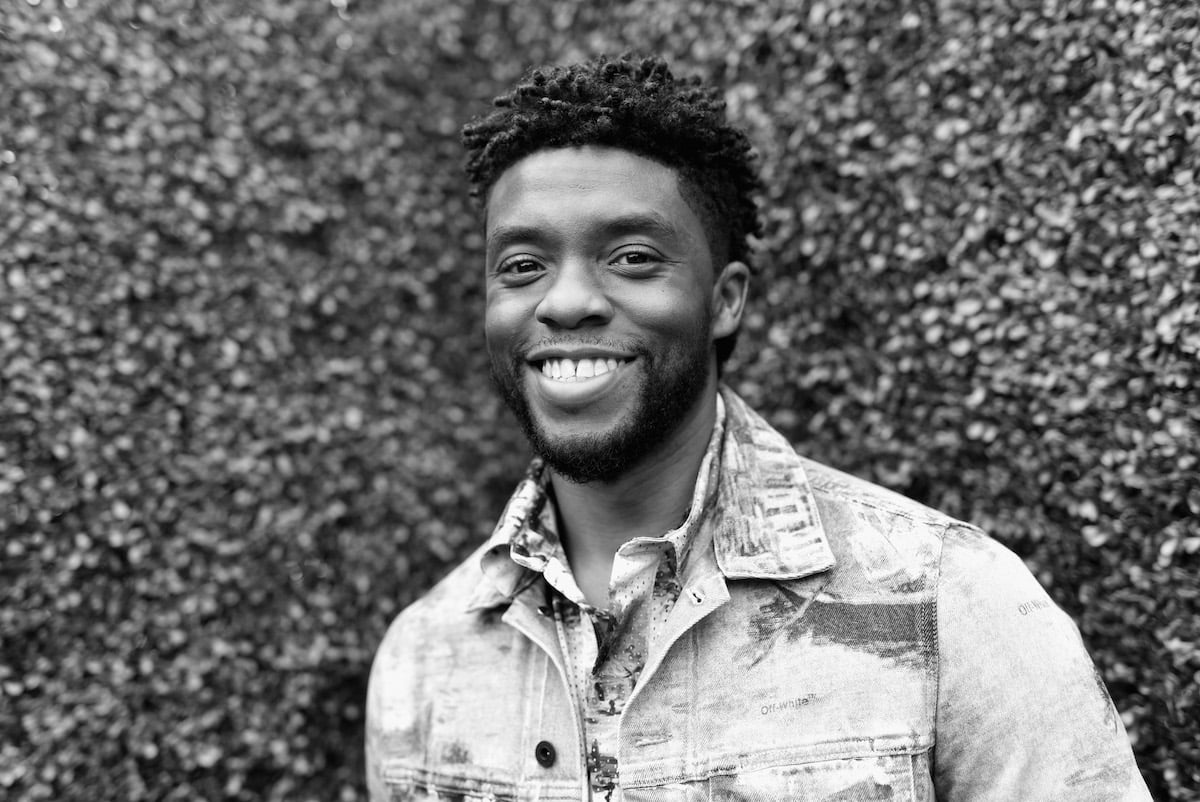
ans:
(833, 641)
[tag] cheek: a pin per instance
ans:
(668, 312)
(503, 320)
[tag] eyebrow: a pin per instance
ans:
(649, 222)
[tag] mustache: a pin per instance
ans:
(632, 345)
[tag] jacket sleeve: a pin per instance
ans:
(1022, 713)
(393, 730)
(376, 790)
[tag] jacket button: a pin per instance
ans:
(545, 754)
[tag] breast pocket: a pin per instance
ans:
(412, 784)
(873, 778)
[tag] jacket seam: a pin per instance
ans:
(782, 761)
(937, 652)
(933, 518)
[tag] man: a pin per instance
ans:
(674, 604)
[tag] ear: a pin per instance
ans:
(729, 299)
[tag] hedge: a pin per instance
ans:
(244, 413)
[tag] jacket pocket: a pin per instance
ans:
(413, 784)
(896, 777)
(873, 778)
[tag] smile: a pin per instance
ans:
(573, 370)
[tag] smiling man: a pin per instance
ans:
(674, 604)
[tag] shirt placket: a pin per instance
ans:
(606, 651)
(580, 649)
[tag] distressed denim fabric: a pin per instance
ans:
(833, 641)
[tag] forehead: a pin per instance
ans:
(580, 184)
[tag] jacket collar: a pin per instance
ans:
(764, 524)
(504, 579)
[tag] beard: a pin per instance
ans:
(669, 385)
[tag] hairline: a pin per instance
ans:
(717, 233)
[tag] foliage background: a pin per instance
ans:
(243, 412)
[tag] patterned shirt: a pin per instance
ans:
(605, 649)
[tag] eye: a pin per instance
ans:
(634, 257)
(519, 266)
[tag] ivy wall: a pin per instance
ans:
(244, 413)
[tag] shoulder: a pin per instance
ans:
(886, 543)
(441, 629)
(418, 647)
(443, 609)
(836, 487)
(424, 639)
(876, 535)
(882, 536)
(879, 532)
(956, 554)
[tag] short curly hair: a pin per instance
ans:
(635, 104)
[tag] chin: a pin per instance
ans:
(630, 424)
(584, 458)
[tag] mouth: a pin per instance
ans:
(563, 369)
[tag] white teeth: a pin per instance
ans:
(577, 369)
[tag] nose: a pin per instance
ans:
(574, 298)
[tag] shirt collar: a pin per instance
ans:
(751, 493)
(682, 538)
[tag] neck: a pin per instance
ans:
(649, 500)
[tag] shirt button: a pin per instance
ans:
(545, 754)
